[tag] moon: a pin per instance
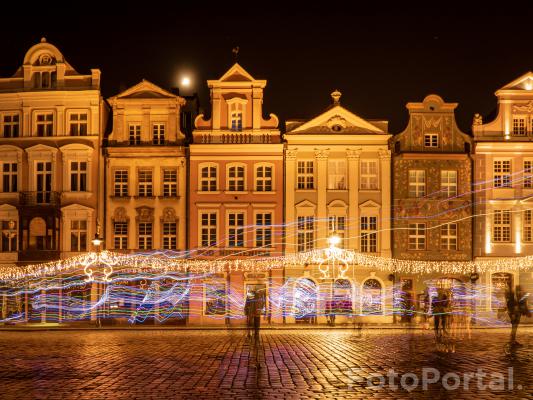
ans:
(186, 81)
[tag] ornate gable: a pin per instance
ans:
(144, 90)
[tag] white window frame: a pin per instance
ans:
(236, 106)
(13, 176)
(337, 174)
(416, 183)
(134, 133)
(170, 187)
(46, 123)
(158, 133)
(79, 173)
(502, 170)
(527, 180)
(501, 226)
(369, 179)
(146, 239)
(145, 186)
(169, 237)
(306, 229)
(527, 226)
(417, 238)
(264, 234)
(369, 228)
(209, 228)
(235, 233)
(78, 232)
(261, 182)
(120, 238)
(449, 234)
(431, 140)
(233, 183)
(208, 180)
(121, 185)
(78, 123)
(519, 125)
(10, 124)
(305, 180)
(448, 182)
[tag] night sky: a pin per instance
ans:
(378, 62)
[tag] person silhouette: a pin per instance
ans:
(516, 302)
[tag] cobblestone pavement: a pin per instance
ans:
(314, 364)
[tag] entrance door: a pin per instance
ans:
(44, 182)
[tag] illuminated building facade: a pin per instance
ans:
(432, 201)
(337, 183)
(52, 120)
(235, 192)
(503, 155)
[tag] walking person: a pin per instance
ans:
(257, 309)
(249, 312)
(439, 305)
(517, 306)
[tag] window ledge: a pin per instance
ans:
(208, 192)
(120, 197)
(144, 197)
(235, 192)
(337, 190)
(169, 197)
(83, 195)
(271, 192)
(305, 190)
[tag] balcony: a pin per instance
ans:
(45, 198)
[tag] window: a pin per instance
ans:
(78, 176)
(369, 234)
(305, 175)
(431, 140)
(208, 180)
(371, 297)
(528, 174)
(263, 178)
(135, 134)
(528, 226)
(369, 174)
(502, 173)
(306, 233)
(158, 131)
(236, 179)
(337, 174)
(519, 126)
(9, 178)
(78, 124)
(417, 237)
(78, 235)
(236, 229)
(44, 79)
(417, 183)
(502, 226)
(263, 230)
(208, 229)
(215, 298)
(170, 237)
(145, 183)
(337, 226)
(11, 126)
(448, 237)
(145, 235)
(170, 183)
(120, 240)
(448, 183)
(121, 183)
(45, 124)
(236, 117)
(9, 236)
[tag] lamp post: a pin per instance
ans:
(97, 242)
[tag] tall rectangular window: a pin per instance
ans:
(121, 183)
(417, 183)
(145, 183)
(431, 140)
(158, 134)
(369, 174)
(369, 234)
(417, 237)
(236, 179)
(448, 237)
(170, 183)
(528, 226)
(78, 235)
(78, 176)
(11, 125)
(305, 175)
(135, 134)
(448, 183)
(337, 174)
(502, 173)
(145, 235)
(236, 229)
(9, 236)
(263, 178)
(170, 236)
(527, 181)
(263, 230)
(337, 226)
(78, 124)
(9, 178)
(501, 226)
(208, 229)
(306, 233)
(45, 124)
(208, 179)
(120, 235)
(236, 120)
(519, 126)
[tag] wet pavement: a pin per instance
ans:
(284, 364)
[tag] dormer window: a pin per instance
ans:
(236, 108)
(519, 125)
(431, 140)
(236, 121)
(44, 79)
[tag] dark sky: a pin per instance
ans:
(378, 62)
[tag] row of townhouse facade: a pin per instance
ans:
(127, 170)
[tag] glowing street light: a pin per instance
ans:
(334, 240)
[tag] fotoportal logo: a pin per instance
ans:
(479, 380)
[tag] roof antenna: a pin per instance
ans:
(235, 52)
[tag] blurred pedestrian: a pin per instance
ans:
(517, 307)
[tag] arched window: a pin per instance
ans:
(208, 178)
(263, 178)
(372, 297)
(236, 178)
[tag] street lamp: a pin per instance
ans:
(334, 240)
(97, 242)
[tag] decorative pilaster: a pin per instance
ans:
(290, 187)
(321, 156)
(353, 156)
(385, 169)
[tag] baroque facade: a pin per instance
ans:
(52, 121)
(337, 183)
